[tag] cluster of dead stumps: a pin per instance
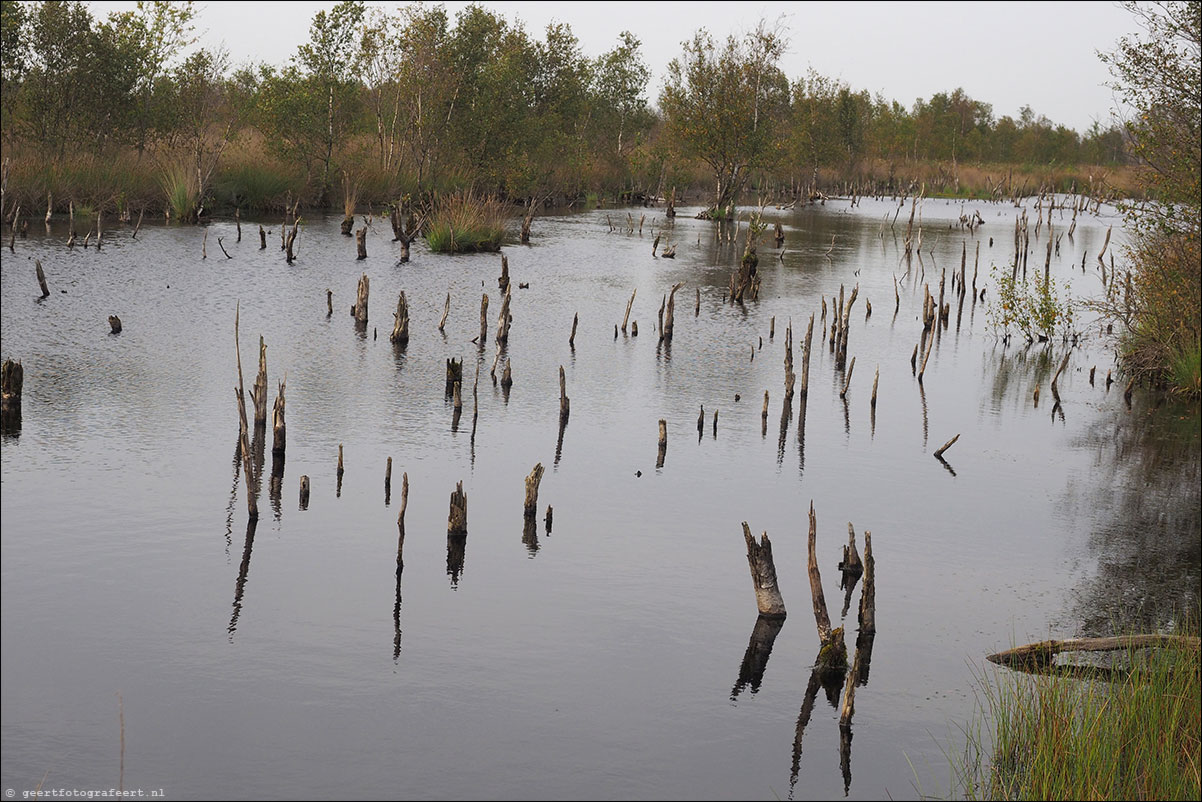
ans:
(830, 670)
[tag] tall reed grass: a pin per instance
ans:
(464, 222)
(1064, 737)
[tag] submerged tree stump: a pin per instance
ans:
(483, 320)
(359, 310)
(503, 280)
(304, 492)
(629, 304)
(832, 655)
(565, 403)
(666, 330)
(763, 575)
(361, 243)
(258, 392)
(530, 509)
(12, 379)
(278, 427)
(457, 518)
(41, 278)
(663, 443)
(400, 327)
(503, 318)
(868, 593)
(115, 324)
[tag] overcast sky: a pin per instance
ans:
(1011, 54)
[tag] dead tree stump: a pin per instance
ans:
(663, 443)
(530, 510)
(457, 519)
(304, 492)
(763, 575)
(12, 379)
(258, 392)
(666, 330)
(278, 427)
(454, 374)
(868, 592)
(832, 655)
(41, 278)
(359, 310)
(483, 320)
(565, 404)
(115, 324)
(400, 328)
(503, 319)
(361, 243)
(503, 280)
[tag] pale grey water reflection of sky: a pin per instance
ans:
(1043, 55)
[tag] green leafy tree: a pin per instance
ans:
(1157, 79)
(723, 105)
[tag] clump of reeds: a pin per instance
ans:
(1134, 735)
(182, 192)
(464, 222)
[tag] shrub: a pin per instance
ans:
(464, 223)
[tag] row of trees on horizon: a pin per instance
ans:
(413, 100)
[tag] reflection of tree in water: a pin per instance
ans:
(1145, 504)
(1017, 369)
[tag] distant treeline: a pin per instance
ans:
(378, 104)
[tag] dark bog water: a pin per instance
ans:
(609, 658)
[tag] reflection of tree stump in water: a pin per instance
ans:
(530, 535)
(755, 659)
(456, 547)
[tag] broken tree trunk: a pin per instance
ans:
(763, 575)
(400, 327)
(530, 510)
(115, 324)
(359, 310)
(833, 653)
(483, 320)
(629, 304)
(946, 446)
(868, 592)
(361, 243)
(258, 393)
(572, 339)
(41, 278)
(503, 281)
(851, 556)
(503, 319)
(663, 443)
(12, 378)
(278, 428)
(446, 310)
(666, 331)
(565, 404)
(457, 519)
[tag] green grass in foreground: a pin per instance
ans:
(1061, 737)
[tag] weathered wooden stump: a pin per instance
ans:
(278, 427)
(763, 575)
(361, 243)
(868, 593)
(359, 310)
(503, 280)
(400, 327)
(507, 376)
(258, 392)
(663, 443)
(115, 324)
(446, 310)
(572, 338)
(666, 329)
(504, 318)
(530, 508)
(457, 518)
(454, 374)
(348, 223)
(262, 238)
(12, 380)
(329, 303)
(832, 655)
(565, 403)
(304, 492)
(41, 278)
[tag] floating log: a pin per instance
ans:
(629, 304)
(1041, 654)
(41, 278)
(115, 324)
(530, 509)
(304, 492)
(359, 310)
(946, 446)
(400, 326)
(361, 243)
(572, 339)
(763, 575)
(457, 518)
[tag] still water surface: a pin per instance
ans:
(605, 659)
